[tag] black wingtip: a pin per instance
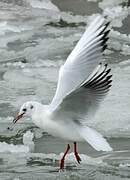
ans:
(104, 47)
(106, 33)
(109, 77)
(105, 27)
(104, 40)
(107, 24)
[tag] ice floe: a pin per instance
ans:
(43, 4)
(119, 42)
(5, 27)
(125, 49)
(125, 63)
(111, 3)
(115, 11)
(28, 145)
(69, 158)
(85, 159)
(11, 148)
(119, 36)
(28, 140)
(116, 15)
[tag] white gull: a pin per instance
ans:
(82, 85)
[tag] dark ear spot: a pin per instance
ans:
(31, 107)
(24, 109)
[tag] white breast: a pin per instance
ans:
(57, 128)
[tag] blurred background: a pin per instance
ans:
(36, 36)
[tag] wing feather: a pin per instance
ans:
(83, 59)
(85, 100)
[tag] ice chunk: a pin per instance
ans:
(116, 15)
(107, 52)
(69, 18)
(119, 42)
(4, 27)
(115, 12)
(119, 36)
(85, 159)
(11, 148)
(125, 49)
(28, 140)
(38, 133)
(49, 48)
(70, 158)
(43, 4)
(122, 165)
(116, 45)
(125, 63)
(111, 3)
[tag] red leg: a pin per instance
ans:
(76, 153)
(63, 158)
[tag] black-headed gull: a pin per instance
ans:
(82, 85)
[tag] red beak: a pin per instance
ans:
(18, 117)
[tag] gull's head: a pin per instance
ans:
(27, 110)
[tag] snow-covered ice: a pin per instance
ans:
(11, 148)
(28, 145)
(111, 3)
(116, 15)
(28, 140)
(43, 4)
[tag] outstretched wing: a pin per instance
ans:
(85, 100)
(81, 62)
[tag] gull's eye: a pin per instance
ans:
(24, 109)
(31, 107)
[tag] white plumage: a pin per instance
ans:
(82, 85)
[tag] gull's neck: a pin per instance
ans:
(39, 114)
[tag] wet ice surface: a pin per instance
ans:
(35, 39)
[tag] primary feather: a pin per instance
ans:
(81, 62)
(85, 99)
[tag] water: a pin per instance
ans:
(35, 39)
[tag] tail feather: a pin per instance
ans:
(95, 139)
